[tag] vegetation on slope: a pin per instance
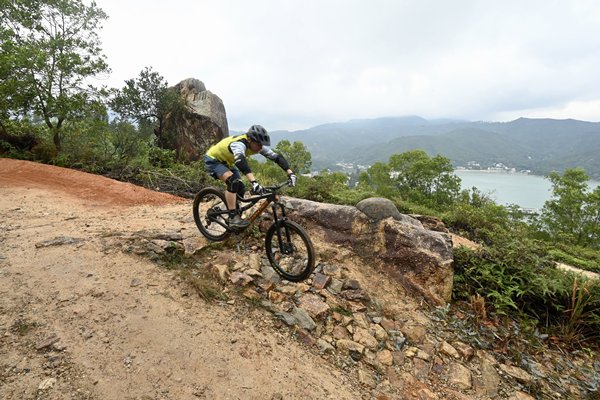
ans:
(512, 275)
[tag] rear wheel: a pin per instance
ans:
(290, 251)
(210, 214)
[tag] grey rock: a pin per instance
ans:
(135, 282)
(460, 376)
(286, 317)
(47, 384)
(314, 306)
(347, 346)
(304, 320)
(335, 286)
(269, 274)
(203, 123)
(519, 374)
(47, 342)
(420, 259)
(58, 241)
(324, 347)
(379, 208)
(490, 379)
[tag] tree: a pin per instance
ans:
(48, 50)
(592, 223)
(378, 177)
(415, 176)
(433, 178)
(573, 213)
(296, 154)
(148, 101)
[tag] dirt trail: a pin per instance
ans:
(82, 321)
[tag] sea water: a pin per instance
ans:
(528, 191)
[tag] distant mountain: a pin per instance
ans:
(460, 145)
(541, 145)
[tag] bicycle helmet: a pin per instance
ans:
(259, 134)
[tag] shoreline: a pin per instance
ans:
(497, 172)
(591, 181)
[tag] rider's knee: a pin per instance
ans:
(235, 185)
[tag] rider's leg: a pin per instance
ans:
(234, 185)
(229, 196)
(219, 170)
(233, 181)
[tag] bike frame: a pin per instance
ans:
(288, 246)
(272, 199)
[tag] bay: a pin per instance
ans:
(528, 191)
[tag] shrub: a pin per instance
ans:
(161, 158)
(515, 275)
(44, 151)
(478, 223)
(580, 257)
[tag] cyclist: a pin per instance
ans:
(226, 159)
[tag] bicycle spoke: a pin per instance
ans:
(210, 214)
(290, 253)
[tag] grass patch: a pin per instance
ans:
(22, 328)
(204, 283)
(342, 310)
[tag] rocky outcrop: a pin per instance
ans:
(430, 354)
(419, 258)
(202, 124)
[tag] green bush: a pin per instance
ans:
(20, 138)
(581, 257)
(44, 151)
(161, 158)
(408, 207)
(328, 187)
(478, 223)
(515, 276)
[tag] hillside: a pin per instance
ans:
(460, 145)
(82, 319)
(541, 145)
(104, 296)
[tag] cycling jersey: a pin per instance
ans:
(234, 150)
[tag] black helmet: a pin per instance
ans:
(258, 134)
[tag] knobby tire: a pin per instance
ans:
(293, 259)
(207, 200)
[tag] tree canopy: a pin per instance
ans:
(296, 154)
(573, 212)
(147, 100)
(414, 176)
(49, 49)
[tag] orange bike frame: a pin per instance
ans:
(260, 210)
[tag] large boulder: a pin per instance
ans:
(379, 208)
(399, 245)
(202, 124)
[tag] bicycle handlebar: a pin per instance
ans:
(270, 191)
(278, 186)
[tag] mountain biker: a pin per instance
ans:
(227, 158)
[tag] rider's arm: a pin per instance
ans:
(239, 158)
(277, 158)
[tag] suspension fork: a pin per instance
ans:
(283, 245)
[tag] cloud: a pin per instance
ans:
(293, 64)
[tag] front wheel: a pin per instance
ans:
(210, 214)
(290, 251)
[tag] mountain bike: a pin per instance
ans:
(288, 246)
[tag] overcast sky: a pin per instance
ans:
(293, 64)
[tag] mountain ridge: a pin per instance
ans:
(541, 145)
